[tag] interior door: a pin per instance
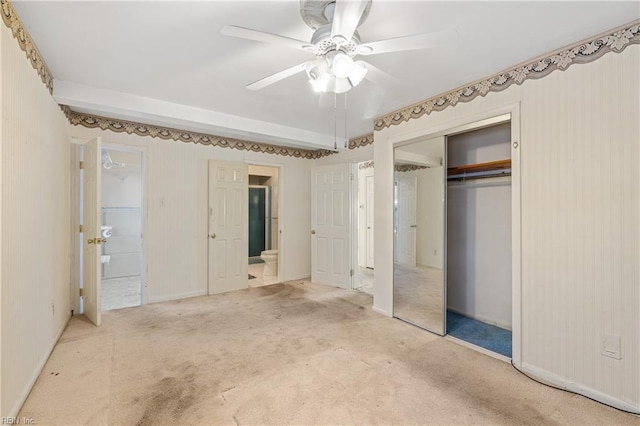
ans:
(330, 225)
(369, 220)
(91, 223)
(228, 226)
(406, 231)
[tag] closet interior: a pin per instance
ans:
(478, 238)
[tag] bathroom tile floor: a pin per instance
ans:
(256, 270)
(120, 293)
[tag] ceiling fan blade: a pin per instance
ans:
(346, 17)
(412, 42)
(274, 78)
(249, 34)
(376, 75)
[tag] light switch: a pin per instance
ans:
(611, 346)
(162, 202)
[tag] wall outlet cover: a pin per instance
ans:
(611, 346)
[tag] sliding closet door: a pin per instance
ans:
(419, 202)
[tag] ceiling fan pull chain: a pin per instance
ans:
(335, 121)
(346, 137)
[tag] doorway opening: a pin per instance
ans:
(364, 229)
(479, 276)
(121, 213)
(263, 225)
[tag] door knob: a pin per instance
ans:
(212, 236)
(313, 232)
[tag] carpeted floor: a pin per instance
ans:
(294, 353)
(485, 335)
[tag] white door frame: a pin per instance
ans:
(477, 121)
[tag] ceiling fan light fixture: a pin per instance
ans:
(341, 65)
(317, 69)
(357, 72)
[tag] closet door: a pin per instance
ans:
(419, 224)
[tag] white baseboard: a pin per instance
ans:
(178, 296)
(562, 383)
(32, 381)
(382, 311)
(303, 277)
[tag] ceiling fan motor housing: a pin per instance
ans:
(323, 43)
(315, 13)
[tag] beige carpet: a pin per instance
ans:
(294, 353)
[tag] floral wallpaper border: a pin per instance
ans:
(130, 127)
(11, 20)
(580, 53)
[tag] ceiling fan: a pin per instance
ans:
(336, 43)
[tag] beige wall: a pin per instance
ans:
(175, 236)
(34, 165)
(580, 185)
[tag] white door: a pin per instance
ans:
(92, 236)
(330, 225)
(369, 221)
(406, 231)
(228, 226)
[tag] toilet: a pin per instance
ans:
(270, 272)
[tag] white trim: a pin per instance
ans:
(477, 348)
(303, 277)
(15, 410)
(178, 296)
(382, 311)
(454, 127)
(353, 218)
(477, 121)
(552, 379)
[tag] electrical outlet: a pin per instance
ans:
(162, 201)
(611, 346)
(53, 309)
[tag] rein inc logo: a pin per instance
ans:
(17, 421)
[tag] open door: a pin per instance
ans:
(369, 221)
(330, 225)
(406, 227)
(91, 227)
(228, 226)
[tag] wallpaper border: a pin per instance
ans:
(166, 133)
(13, 22)
(583, 52)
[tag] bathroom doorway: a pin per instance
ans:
(263, 225)
(122, 195)
(364, 230)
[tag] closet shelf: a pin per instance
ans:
(480, 170)
(480, 167)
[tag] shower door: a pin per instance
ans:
(257, 221)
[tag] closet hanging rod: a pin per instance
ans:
(480, 175)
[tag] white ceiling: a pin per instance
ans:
(166, 63)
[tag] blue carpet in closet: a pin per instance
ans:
(486, 336)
